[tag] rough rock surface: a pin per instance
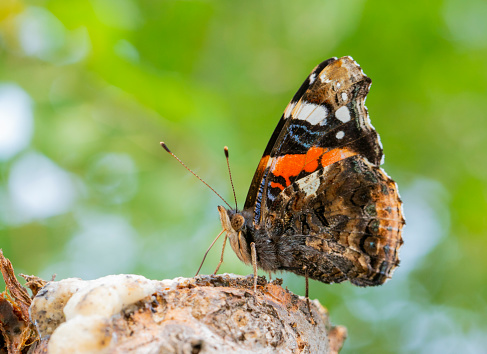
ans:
(206, 314)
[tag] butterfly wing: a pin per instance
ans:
(343, 222)
(260, 179)
(328, 104)
(319, 182)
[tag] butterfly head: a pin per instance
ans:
(233, 224)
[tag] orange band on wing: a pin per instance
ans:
(336, 155)
(277, 185)
(291, 165)
(288, 166)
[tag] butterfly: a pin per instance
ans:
(319, 204)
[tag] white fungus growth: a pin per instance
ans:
(77, 313)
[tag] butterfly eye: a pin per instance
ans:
(237, 222)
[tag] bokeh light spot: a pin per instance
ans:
(16, 120)
(39, 188)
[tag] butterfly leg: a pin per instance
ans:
(208, 250)
(221, 258)
(305, 268)
(254, 264)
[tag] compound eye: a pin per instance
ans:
(237, 222)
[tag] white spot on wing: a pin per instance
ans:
(310, 112)
(309, 184)
(318, 115)
(344, 96)
(340, 134)
(289, 109)
(324, 79)
(343, 114)
(312, 78)
(303, 110)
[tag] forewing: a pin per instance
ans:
(325, 122)
(257, 187)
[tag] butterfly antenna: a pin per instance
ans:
(230, 174)
(182, 163)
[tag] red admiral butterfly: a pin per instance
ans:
(319, 205)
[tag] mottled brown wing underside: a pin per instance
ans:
(349, 225)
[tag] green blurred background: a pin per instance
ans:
(89, 88)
